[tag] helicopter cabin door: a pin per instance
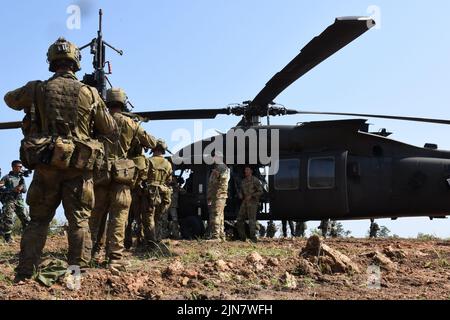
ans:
(310, 186)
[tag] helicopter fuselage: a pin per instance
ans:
(333, 170)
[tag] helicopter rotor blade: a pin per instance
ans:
(335, 37)
(10, 125)
(415, 119)
(180, 114)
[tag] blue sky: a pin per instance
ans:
(209, 53)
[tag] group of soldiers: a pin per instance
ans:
(89, 156)
(250, 192)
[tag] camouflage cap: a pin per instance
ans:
(63, 50)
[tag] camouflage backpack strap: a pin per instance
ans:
(35, 117)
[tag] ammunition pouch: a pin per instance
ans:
(123, 171)
(88, 154)
(35, 151)
(62, 153)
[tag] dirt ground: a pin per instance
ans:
(270, 269)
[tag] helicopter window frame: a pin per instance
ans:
(315, 187)
(292, 179)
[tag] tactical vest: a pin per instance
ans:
(61, 107)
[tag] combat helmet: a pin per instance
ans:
(116, 95)
(161, 145)
(63, 50)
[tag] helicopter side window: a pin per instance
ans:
(321, 173)
(287, 177)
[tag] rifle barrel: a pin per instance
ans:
(11, 125)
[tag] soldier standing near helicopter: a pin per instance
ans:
(139, 202)
(113, 196)
(61, 115)
(250, 192)
(325, 227)
(217, 197)
(374, 229)
(159, 195)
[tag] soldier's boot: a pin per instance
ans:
(175, 230)
(96, 257)
(118, 266)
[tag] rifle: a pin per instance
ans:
(98, 78)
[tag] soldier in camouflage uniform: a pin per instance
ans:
(250, 193)
(217, 195)
(176, 191)
(61, 116)
(139, 195)
(300, 229)
(284, 224)
(333, 229)
(113, 196)
(374, 228)
(325, 227)
(159, 194)
(13, 186)
(271, 229)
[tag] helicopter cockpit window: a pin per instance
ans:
(287, 177)
(321, 173)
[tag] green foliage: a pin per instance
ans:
(341, 232)
(384, 232)
(426, 237)
(54, 229)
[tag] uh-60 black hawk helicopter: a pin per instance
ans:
(326, 170)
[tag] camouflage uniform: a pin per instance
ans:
(217, 199)
(333, 229)
(325, 227)
(159, 195)
(63, 107)
(271, 229)
(284, 227)
(12, 203)
(300, 229)
(139, 195)
(174, 224)
(374, 228)
(251, 191)
(114, 198)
